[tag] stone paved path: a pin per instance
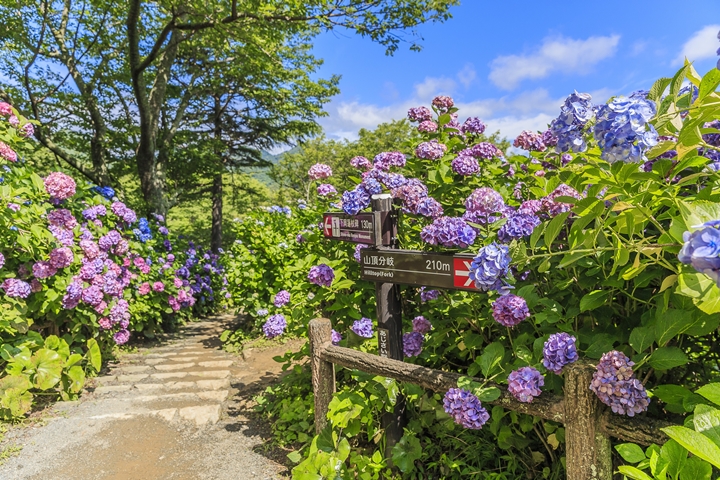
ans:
(174, 411)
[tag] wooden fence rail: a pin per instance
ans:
(588, 423)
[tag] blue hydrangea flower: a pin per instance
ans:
(622, 129)
(490, 267)
(465, 408)
(615, 385)
(702, 250)
(568, 128)
(371, 186)
(558, 351)
(363, 327)
(518, 226)
(355, 200)
(524, 384)
(106, 192)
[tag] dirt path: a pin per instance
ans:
(176, 411)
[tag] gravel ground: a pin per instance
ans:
(130, 427)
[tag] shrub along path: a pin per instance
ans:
(177, 411)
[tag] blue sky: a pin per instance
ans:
(513, 62)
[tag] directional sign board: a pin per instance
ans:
(408, 267)
(360, 228)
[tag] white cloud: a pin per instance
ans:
(467, 75)
(703, 44)
(560, 54)
(432, 86)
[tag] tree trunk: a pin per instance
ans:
(217, 188)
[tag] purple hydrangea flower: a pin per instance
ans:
(326, 190)
(126, 214)
(335, 337)
(465, 165)
(509, 310)
(274, 326)
(428, 295)
(517, 227)
(16, 288)
(421, 324)
(419, 114)
(554, 208)
(429, 207)
(62, 217)
(430, 150)
(63, 235)
(524, 384)
(473, 125)
(262, 312)
(282, 298)
(443, 103)
(319, 171)
(558, 351)
(359, 247)
(449, 232)
(530, 141)
(393, 180)
(412, 344)
(322, 275)
(92, 213)
(43, 269)
(485, 150)
(427, 126)
(490, 267)
(121, 337)
(616, 386)
(465, 408)
(484, 205)
(363, 327)
(385, 160)
(92, 295)
(61, 257)
(530, 207)
(371, 186)
(2, 260)
(411, 193)
(360, 162)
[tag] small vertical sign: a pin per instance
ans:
(335, 226)
(383, 350)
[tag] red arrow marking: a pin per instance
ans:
(461, 274)
(328, 226)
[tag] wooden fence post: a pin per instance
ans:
(588, 448)
(323, 372)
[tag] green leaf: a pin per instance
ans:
(77, 376)
(630, 452)
(487, 394)
(593, 300)
(658, 88)
(405, 452)
(641, 338)
(491, 358)
(295, 457)
(696, 443)
(634, 473)
(94, 354)
(666, 358)
(706, 420)
(672, 323)
(48, 368)
(710, 391)
(673, 455)
(708, 84)
(696, 469)
(704, 292)
(17, 400)
(553, 228)
(343, 449)
(671, 394)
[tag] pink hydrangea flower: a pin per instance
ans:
(5, 109)
(59, 186)
(144, 288)
(158, 286)
(7, 153)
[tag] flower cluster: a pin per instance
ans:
(465, 408)
(430, 150)
(484, 205)
(355, 200)
(274, 326)
(319, 171)
(322, 275)
(143, 232)
(59, 186)
(509, 310)
(363, 327)
(282, 298)
(449, 232)
(385, 160)
(518, 226)
(326, 190)
(465, 165)
(530, 141)
(420, 114)
(701, 250)
(568, 128)
(622, 129)
(421, 324)
(413, 344)
(553, 207)
(490, 267)
(335, 337)
(524, 384)
(558, 351)
(616, 386)
(360, 163)
(428, 295)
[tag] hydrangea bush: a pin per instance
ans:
(80, 272)
(597, 244)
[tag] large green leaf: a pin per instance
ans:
(709, 84)
(696, 443)
(703, 291)
(710, 391)
(77, 378)
(641, 338)
(17, 400)
(672, 323)
(94, 354)
(405, 452)
(553, 228)
(666, 358)
(630, 452)
(491, 358)
(48, 368)
(634, 473)
(696, 469)
(594, 299)
(706, 420)
(673, 455)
